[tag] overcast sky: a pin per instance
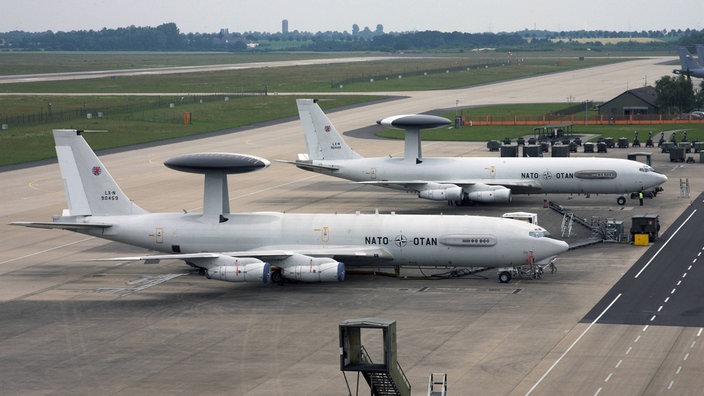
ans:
(473, 16)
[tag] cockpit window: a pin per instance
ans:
(646, 169)
(538, 233)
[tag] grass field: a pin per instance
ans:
(396, 74)
(134, 119)
(30, 143)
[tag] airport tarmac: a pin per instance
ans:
(71, 326)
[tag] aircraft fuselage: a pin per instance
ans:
(550, 175)
(411, 240)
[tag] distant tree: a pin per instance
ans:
(699, 96)
(171, 36)
(675, 95)
(692, 39)
(167, 37)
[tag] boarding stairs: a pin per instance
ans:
(561, 210)
(596, 225)
(392, 382)
(385, 377)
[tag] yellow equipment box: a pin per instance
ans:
(640, 239)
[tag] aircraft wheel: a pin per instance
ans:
(504, 277)
(621, 200)
(277, 278)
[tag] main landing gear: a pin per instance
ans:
(527, 271)
(505, 276)
(277, 277)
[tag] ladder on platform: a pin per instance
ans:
(437, 384)
(566, 227)
(684, 188)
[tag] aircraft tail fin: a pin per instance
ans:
(90, 189)
(686, 60)
(322, 139)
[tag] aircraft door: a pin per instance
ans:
(159, 235)
(372, 173)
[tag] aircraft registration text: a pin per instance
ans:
(547, 175)
(401, 241)
(109, 196)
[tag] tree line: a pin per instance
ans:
(167, 37)
(676, 95)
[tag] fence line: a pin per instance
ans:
(576, 120)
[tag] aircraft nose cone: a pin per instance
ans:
(557, 246)
(550, 248)
(563, 246)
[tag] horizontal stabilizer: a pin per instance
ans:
(60, 226)
(310, 166)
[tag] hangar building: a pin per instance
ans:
(637, 101)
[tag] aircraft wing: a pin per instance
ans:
(524, 185)
(59, 225)
(271, 253)
(341, 251)
(514, 184)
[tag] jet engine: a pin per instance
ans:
(239, 269)
(313, 269)
(450, 192)
(491, 194)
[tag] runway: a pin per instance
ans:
(82, 75)
(71, 326)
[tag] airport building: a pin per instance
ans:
(637, 101)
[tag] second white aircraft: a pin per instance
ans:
(464, 179)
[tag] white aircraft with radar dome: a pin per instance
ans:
(271, 246)
(460, 180)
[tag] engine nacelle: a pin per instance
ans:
(322, 269)
(498, 194)
(450, 193)
(239, 269)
